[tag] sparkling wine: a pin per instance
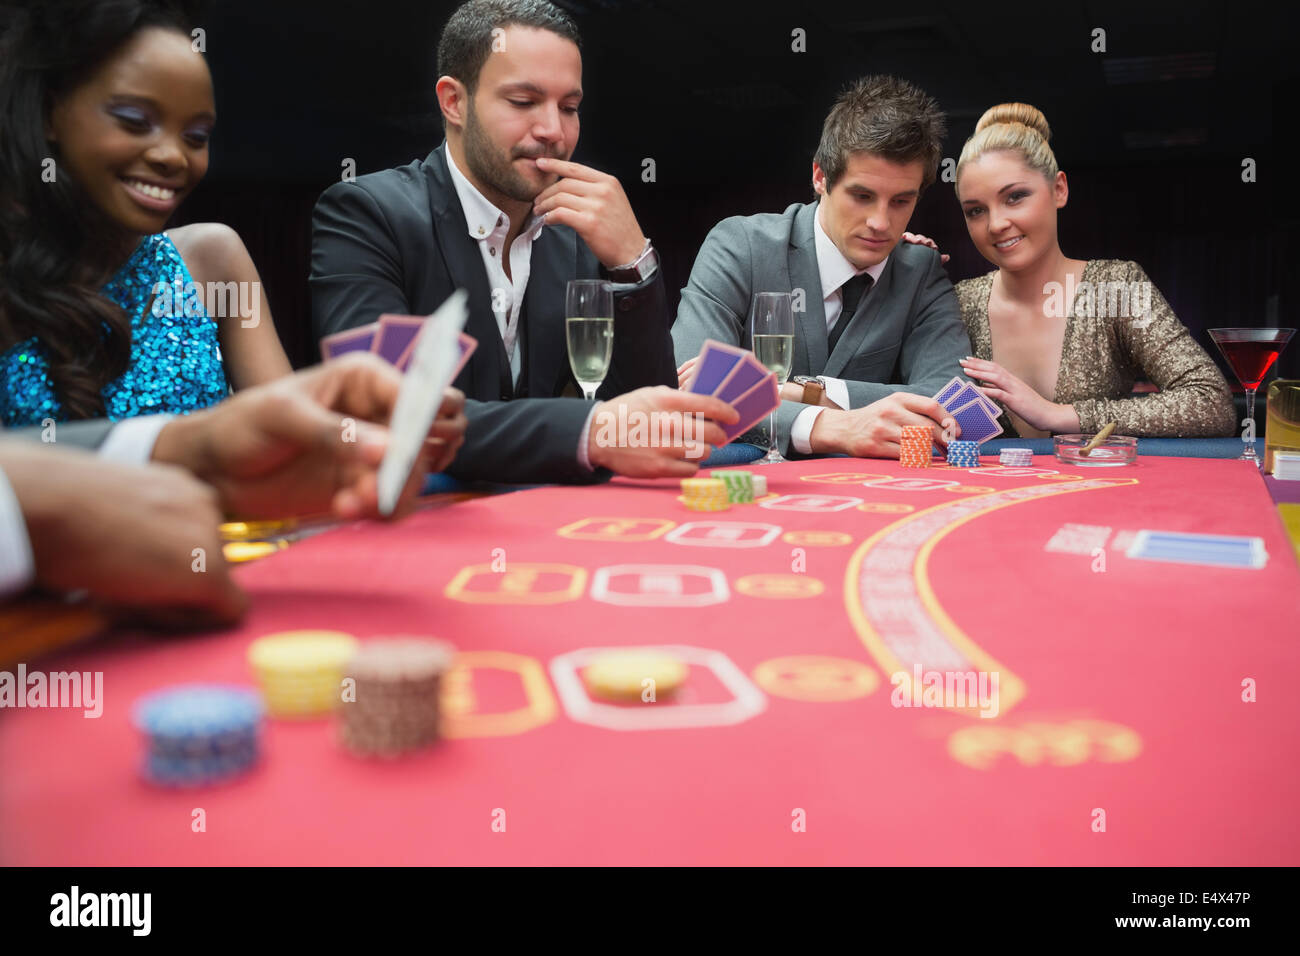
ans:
(775, 352)
(591, 345)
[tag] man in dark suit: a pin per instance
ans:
(877, 324)
(499, 210)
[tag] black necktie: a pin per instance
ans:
(851, 294)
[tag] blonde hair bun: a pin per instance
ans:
(1021, 113)
(1017, 127)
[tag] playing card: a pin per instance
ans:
(467, 344)
(351, 340)
(754, 405)
(716, 360)
(748, 372)
(960, 392)
(1216, 550)
(433, 366)
(976, 422)
(397, 333)
(948, 391)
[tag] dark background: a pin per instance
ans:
(1152, 133)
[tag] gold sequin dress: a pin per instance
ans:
(1120, 329)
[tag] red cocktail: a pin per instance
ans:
(1250, 354)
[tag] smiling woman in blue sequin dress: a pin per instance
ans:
(102, 313)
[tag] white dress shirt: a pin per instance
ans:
(129, 443)
(488, 226)
(834, 270)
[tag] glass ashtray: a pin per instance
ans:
(1115, 450)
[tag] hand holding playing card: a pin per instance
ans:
(1036, 411)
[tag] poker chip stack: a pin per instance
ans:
(740, 485)
(915, 445)
(301, 672)
(1016, 457)
(705, 494)
(964, 454)
(199, 734)
(759, 483)
(397, 685)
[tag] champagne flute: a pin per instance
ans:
(771, 323)
(1250, 354)
(589, 330)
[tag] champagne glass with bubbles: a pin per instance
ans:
(771, 321)
(589, 329)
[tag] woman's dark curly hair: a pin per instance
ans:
(56, 246)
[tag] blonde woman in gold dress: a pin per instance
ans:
(1060, 342)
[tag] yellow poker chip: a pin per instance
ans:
(237, 552)
(302, 652)
(251, 530)
(622, 675)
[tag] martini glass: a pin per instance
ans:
(1251, 353)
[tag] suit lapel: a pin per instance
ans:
(805, 275)
(464, 265)
(553, 263)
(867, 317)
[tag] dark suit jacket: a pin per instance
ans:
(396, 241)
(907, 334)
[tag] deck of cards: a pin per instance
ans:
(977, 415)
(739, 379)
(437, 353)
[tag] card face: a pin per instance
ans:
(748, 372)
(433, 366)
(976, 422)
(397, 333)
(351, 340)
(754, 406)
(1215, 550)
(716, 361)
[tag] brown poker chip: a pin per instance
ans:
(397, 682)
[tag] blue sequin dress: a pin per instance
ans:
(175, 363)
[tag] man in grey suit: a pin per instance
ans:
(877, 324)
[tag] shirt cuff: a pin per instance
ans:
(837, 391)
(17, 565)
(131, 441)
(801, 430)
(583, 459)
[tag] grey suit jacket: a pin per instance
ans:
(907, 333)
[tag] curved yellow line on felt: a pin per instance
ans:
(1011, 689)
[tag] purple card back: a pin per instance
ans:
(976, 423)
(968, 393)
(396, 333)
(715, 363)
(353, 340)
(946, 393)
(754, 405)
(748, 372)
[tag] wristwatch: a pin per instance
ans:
(639, 269)
(814, 387)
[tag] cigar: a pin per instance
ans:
(1098, 438)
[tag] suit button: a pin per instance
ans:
(626, 304)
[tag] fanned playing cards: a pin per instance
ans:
(977, 415)
(734, 375)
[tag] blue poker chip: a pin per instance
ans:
(199, 710)
(199, 733)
